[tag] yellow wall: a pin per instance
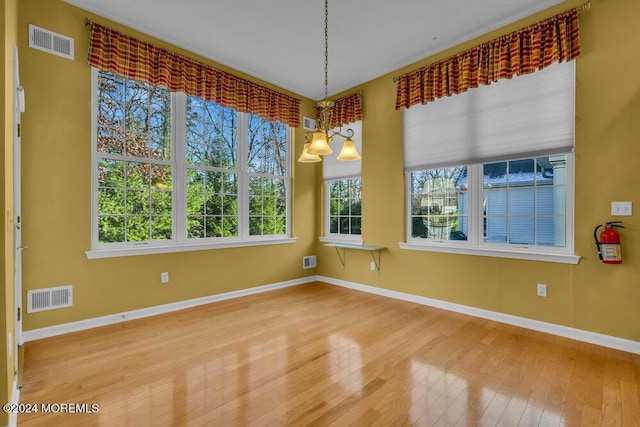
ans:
(57, 191)
(590, 295)
(8, 21)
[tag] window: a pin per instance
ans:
(343, 192)
(134, 168)
(524, 202)
(439, 204)
(172, 170)
(268, 177)
(490, 171)
(345, 212)
(211, 164)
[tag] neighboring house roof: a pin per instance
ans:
(521, 174)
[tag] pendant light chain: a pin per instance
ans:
(318, 141)
(326, 49)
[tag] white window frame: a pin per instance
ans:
(346, 170)
(330, 237)
(475, 245)
(179, 241)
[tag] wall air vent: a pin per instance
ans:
(309, 262)
(308, 123)
(51, 42)
(49, 298)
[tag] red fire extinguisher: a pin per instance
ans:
(609, 244)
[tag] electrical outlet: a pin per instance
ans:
(164, 277)
(542, 290)
(372, 266)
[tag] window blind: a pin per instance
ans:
(332, 168)
(524, 116)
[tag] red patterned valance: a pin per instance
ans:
(347, 109)
(522, 52)
(110, 50)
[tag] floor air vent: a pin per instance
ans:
(51, 42)
(50, 298)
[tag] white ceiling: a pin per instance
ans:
(282, 41)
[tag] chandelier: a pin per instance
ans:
(318, 141)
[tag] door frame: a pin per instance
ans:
(18, 108)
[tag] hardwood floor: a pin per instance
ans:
(323, 355)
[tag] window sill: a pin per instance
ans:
(498, 253)
(150, 250)
(347, 240)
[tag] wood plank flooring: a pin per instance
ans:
(323, 355)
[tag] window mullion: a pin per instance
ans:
(243, 177)
(178, 135)
(569, 187)
(476, 199)
(408, 204)
(119, 157)
(288, 182)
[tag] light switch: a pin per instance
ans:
(621, 208)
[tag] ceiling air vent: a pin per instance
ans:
(51, 42)
(309, 124)
(49, 298)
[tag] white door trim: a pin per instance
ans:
(18, 103)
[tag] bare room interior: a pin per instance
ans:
(320, 213)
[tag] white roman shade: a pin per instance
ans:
(524, 116)
(332, 168)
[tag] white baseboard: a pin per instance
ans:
(111, 319)
(536, 325)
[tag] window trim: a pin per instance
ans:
(562, 258)
(143, 249)
(475, 244)
(179, 241)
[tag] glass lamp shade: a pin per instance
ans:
(305, 157)
(319, 144)
(349, 152)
